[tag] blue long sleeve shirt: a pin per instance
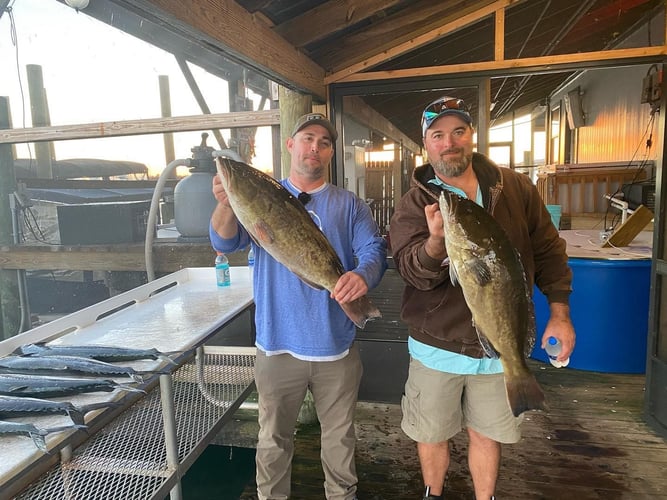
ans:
(292, 317)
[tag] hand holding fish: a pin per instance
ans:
(350, 286)
(435, 244)
(223, 218)
(219, 191)
(560, 326)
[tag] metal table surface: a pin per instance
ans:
(141, 449)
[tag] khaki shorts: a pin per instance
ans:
(437, 405)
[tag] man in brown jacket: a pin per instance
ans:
(451, 384)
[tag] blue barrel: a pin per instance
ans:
(609, 310)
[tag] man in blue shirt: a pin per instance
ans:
(304, 339)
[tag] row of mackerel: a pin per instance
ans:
(22, 386)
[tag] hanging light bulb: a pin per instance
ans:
(77, 4)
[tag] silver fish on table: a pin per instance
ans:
(13, 406)
(486, 265)
(280, 224)
(63, 365)
(41, 386)
(37, 434)
(105, 353)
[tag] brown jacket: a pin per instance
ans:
(435, 310)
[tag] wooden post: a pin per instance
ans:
(165, 105)
(40, 118)
(292, 106)
(10, 310)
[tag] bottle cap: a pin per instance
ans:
(559, 364)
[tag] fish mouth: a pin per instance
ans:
(224, 169)
(450, 200)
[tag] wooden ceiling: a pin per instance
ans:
(527, 48)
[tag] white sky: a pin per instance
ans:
(95, 73)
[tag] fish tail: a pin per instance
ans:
(77, 416)
(164, 357)
(129, 388)
(39, 441)
(361, 310)
(97, 406)
(524, 393)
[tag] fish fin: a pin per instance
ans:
(453, 275)
(524, 393)
(361, 310)
(488, 348)
(479, 270)
(263, 233)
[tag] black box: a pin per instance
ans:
(640, 193)
(103, 223)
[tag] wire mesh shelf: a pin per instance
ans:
(128, 458)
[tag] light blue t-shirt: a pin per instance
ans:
(446, 361)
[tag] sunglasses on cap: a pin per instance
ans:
(445, 106)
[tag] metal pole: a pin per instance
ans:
(170, 436)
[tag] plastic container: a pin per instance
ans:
(222, 270)
(193, 205)
(553, 349)
(251, 257)
(609, 307)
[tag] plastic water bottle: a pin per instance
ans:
(251, 258)
(553, 349)
(222, 270)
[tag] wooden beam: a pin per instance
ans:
(456, 20)
(499, 44)
(329, 18)
(225, 25)
(545, 63)
(364, 114)
(138, 127)
(167, 257)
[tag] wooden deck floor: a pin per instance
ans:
(591, 444)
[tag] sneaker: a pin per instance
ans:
(428, 496)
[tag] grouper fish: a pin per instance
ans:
(486, 265)
(12, 407)
(280, 224)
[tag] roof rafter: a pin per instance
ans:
(328, 18)
(450, 23)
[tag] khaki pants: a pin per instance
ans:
(282, 381)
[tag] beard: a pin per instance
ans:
(453, 167)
